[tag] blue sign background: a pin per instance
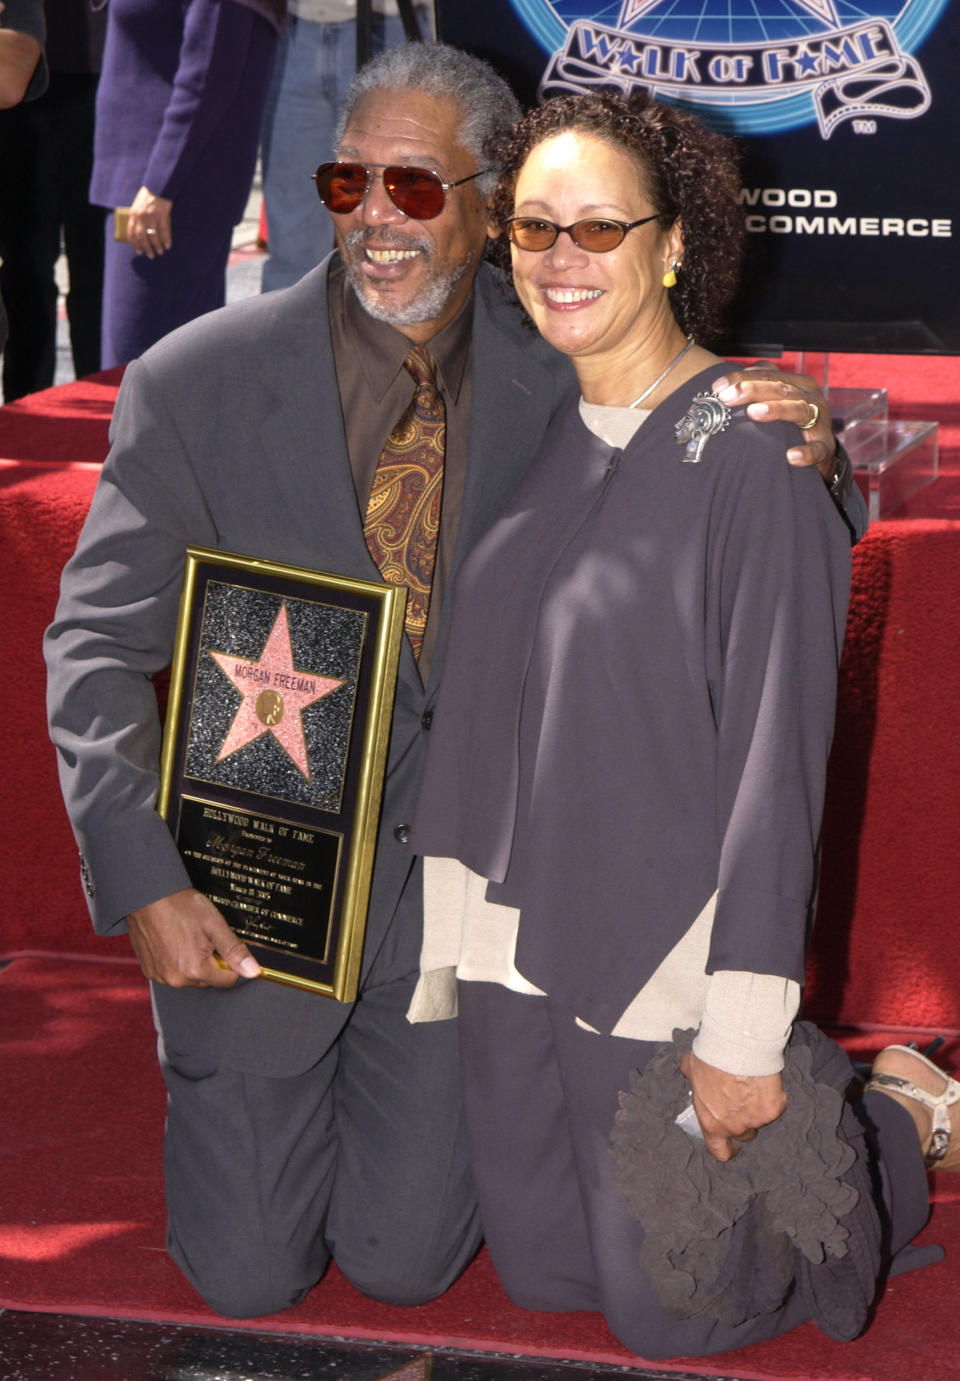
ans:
(850, 126)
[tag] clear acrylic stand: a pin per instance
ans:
(891, 460)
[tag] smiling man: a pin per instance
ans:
(417, 277)
(300, 1129)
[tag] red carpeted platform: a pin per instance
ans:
(64, 425)
(81, 1228)
(80, 1192)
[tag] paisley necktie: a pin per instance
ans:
(403, 515)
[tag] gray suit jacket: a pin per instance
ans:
(229, 434)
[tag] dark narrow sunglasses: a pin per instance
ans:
(417, 192)
(596, 235)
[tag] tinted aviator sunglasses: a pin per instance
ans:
(417, 192)
(597, 234)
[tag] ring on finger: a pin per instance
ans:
(804, 426)
(150, 231)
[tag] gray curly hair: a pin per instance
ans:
(490, 109)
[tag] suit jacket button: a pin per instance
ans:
(426, 719)
(402, 834)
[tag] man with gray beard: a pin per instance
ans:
(301, 1129)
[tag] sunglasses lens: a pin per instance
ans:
(597, 236)
(527, 233)
(341, 186)
(594, 235)
(416, 192)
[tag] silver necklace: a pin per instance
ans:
(660, 377)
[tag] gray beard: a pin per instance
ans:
(429, 303)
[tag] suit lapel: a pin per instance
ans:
(303, 430)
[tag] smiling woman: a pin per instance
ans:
(623, 793)
(666, 162)
(608, 306)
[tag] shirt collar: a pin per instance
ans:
(382, 349)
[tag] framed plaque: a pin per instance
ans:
(274, 753)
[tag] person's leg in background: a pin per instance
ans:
(315, 63)
(46, 152)
(29, 245)
(82, 223)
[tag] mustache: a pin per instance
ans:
(386, 237)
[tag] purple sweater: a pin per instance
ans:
(180, 102)
(637, 705)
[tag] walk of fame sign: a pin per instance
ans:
(281, 694)
(759, 67)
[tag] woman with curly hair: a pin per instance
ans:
(622, 801)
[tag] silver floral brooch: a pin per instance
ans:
(705, 416)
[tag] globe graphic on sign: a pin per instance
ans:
(737, 25)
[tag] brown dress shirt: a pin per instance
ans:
(374, 390)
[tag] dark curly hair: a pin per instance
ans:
(691, 172)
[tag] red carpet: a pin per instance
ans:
(886, 945)
(81, 1227)
(67, 424)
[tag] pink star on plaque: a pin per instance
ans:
(274, 694)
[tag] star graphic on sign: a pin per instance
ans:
(807, 62)
(274, 695)
(628, 61)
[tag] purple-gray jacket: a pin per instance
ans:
(638, 701)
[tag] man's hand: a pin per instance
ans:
(148, 228)
(730, 1107)
(175, 939)
(772, 396)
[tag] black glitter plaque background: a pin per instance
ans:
(326, 641)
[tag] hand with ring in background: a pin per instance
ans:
(148, 226)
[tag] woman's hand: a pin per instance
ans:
(772, 396)
(730, 1107)
(148, 228)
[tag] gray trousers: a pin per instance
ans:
(361, 1159)
(540, 1096)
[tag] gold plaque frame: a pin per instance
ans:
(274, 754)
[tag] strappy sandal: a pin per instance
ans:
(938, 1104)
